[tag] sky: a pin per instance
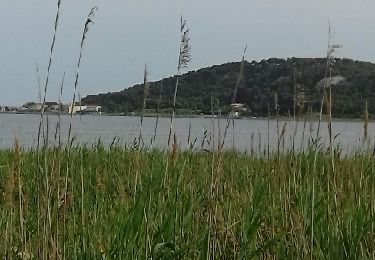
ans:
(127, 35)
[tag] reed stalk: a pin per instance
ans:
(38, 81)
(316, 150)
(146, 87)
(89, 20)
(157, 113)
(268, 130)
(365, 123)
(83, 229)
(41, 123)
(295, 113)
(230, 118)
(58, 124)
(41, 131)
(184, 58)
(277, 111)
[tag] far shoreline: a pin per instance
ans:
(187, 116)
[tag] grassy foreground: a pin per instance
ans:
(131, 204)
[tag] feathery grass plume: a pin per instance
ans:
(41, 123)
(331, 62)
(184, 58)
(89, 20)
(146, 86)
(329, 83)
(325, 83)
(231, 113)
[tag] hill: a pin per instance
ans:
(262, 82)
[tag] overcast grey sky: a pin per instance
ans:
(128, 34)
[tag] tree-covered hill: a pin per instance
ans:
(263, 83)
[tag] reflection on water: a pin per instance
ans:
(248, 135)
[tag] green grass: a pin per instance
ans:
(132, 204)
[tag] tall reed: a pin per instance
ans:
(317, 144)
(38, 81)
(366, 120)
(89, 20)
(330, 60)
(184, 58)
(230, 118)
(157, 112)
(41, 124)
(59, 111)
(146, 87)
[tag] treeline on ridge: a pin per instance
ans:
(264, 83)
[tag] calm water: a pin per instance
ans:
(247, 135)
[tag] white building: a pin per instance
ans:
(85, 109)
(237, 109)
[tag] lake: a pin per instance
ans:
(248, 135)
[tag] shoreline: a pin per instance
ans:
(187, 116)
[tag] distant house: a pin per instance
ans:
(10, 109)
(238, 106)
(85, 109)
(32, 106)
(237, 109)
(73, 109)
(52, 105)
(92, 110)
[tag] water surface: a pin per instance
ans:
(248, 135)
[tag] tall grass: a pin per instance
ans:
(255, 213)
